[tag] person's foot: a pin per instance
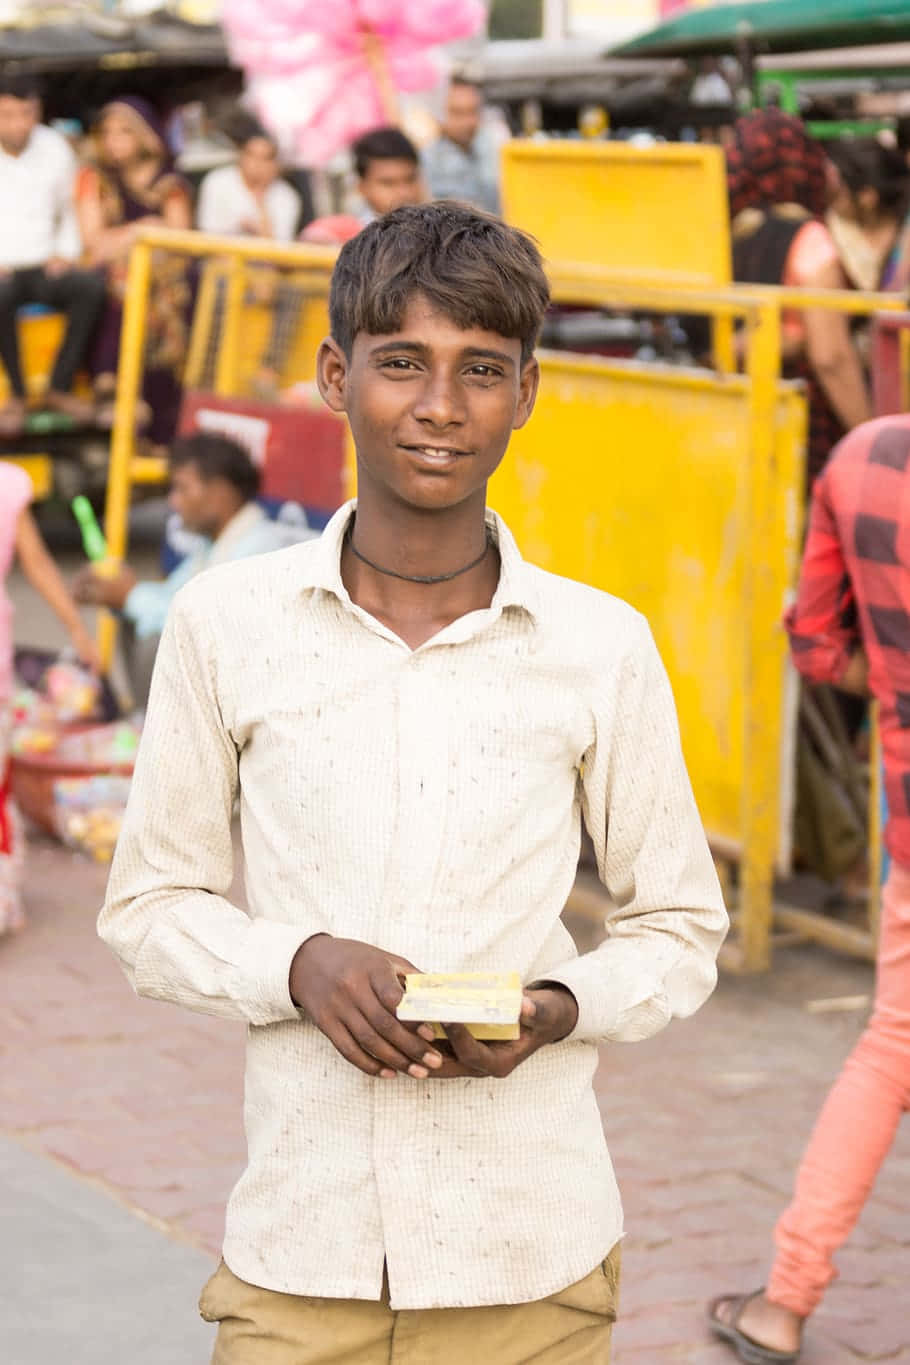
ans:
(779, 1331)
(12, 417)
(79, 409)
(106, 412)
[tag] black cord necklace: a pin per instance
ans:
(418, 577)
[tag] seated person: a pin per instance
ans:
(214, 486)
(387, 167)
(40, 249)
(463, 162)
(133, 184)
(249, 198)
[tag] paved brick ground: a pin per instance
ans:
(705, 1123)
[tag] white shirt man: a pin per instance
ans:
(250, 198)
(39, 250)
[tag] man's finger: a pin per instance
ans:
(398, 1048)
(344, 1042)
(406, 1038)
(469, 1050)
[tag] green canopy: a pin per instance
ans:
(774, 26)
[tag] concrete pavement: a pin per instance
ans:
(141, 1102)
(87, 1282)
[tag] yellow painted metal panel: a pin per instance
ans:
(644, 213)
(635, 479)
(40, 469)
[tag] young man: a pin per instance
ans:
(214, 486)
(40, 249)
(463, 162)
(414, 720)
(387, 167)
(249, 198)
(850, 627)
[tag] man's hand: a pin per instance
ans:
(85, 647)
(57, 266)
(94, 590)
(351, 991)
(548, 1014)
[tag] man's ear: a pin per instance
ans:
(332, 374)
(528, 385)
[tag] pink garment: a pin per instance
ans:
(856, 1126)
(15, 495)
(812, 250)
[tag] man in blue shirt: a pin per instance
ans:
(463, 162)
(214, 486)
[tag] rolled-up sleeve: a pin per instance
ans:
(166, 915)
(659, 958)
(823, 624)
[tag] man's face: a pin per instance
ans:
(431, 406)
(194, 499)
(259, 163)
(18, 119)
(464, 106)
(391, 182)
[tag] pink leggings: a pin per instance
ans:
(856, 1126)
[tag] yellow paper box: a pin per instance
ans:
(489, 1003)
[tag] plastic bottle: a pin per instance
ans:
(93, 541)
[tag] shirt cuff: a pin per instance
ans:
(272, 948)
(640, 1011)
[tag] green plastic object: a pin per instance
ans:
(773, 26)
(93, 541)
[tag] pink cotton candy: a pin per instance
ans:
(315, 68)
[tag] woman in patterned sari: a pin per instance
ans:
(133, 184)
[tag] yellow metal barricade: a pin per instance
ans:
(655, 213)
(682, 492)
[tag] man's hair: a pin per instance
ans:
(217, 457)
(469, 265)
(20, 85)
(866, 163)
(458, 78)
(243, 127)
(382, 144)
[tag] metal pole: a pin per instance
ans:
(129, 382)
(764, 647)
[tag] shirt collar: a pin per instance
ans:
(515, 588)
(240, 524)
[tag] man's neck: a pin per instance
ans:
(407, 541)
(16, 152)
(225, 521)
(466, 147)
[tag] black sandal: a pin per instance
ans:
(748, 1350)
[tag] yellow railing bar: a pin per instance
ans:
(129, 383)
(190, 243)
(226, 374)
(199, 338)
(762, 672)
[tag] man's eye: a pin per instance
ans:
(399, 363)
(485, 371)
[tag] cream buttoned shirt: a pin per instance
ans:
(429, 802)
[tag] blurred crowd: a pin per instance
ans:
(71, 208)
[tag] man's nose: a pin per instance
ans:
(441, 402)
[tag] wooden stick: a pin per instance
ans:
(375, 55)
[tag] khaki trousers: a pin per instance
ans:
(262, 1327)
